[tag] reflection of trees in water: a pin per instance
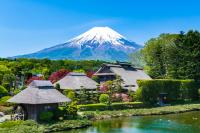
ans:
(186, 122)
(107, 126)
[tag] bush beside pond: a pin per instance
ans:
(30, 126)
(66, 125)
(114, 106)
(97, 115)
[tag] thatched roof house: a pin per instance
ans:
(39, 96)
(75, 81)
(126, 71)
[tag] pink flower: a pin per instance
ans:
(103, 87)
(125, 97)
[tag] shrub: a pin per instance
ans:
(95, 78)
(9, 124)
(66, 125)
(72, 109)
(46, 116)
(3, 91)
(68, 112)
(70, 94)
(104, 98)
(3, 101)
(127, 105)
(28, 126)
(114, 106)
(119, 97)
(16, 91)
(93, 107)
(6, 110)
(149, 90)
(59, 113)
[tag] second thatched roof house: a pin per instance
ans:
(128, 73)
(76, 81)
(39, 96)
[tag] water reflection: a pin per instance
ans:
(177, 123)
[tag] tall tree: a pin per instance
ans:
(157, 54)
(189, 50)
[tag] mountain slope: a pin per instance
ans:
(100, 43)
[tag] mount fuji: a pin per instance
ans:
(98, 43)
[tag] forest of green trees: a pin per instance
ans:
(20, 70)
(173, 56)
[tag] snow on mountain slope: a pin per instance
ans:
(101, 43)
(98, 35)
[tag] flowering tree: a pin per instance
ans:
(54, 77)
(114, 90)
(125, 97)
(119, 97)
(103, 88)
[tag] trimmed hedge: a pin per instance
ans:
(114, 106)
(149, 90)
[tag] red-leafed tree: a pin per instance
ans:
(90, 73)
(54, 77)
(33, 78)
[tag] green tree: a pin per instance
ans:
(9, 81)
(158, 53)
(189, 52)
(3, 91)
(70, 94)
(83, 96)
(3, 70)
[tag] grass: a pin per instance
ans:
(97, 115)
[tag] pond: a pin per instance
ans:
(175, 123)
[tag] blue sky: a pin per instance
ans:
(27, 26)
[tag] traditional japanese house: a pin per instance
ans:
(76, 81)
(128, 73)
(39, 96)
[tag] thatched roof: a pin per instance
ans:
(130, 77)
(127, 72)
(75, 81)
(39, 92)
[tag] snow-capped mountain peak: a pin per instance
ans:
(99, 35)
(98, 43)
